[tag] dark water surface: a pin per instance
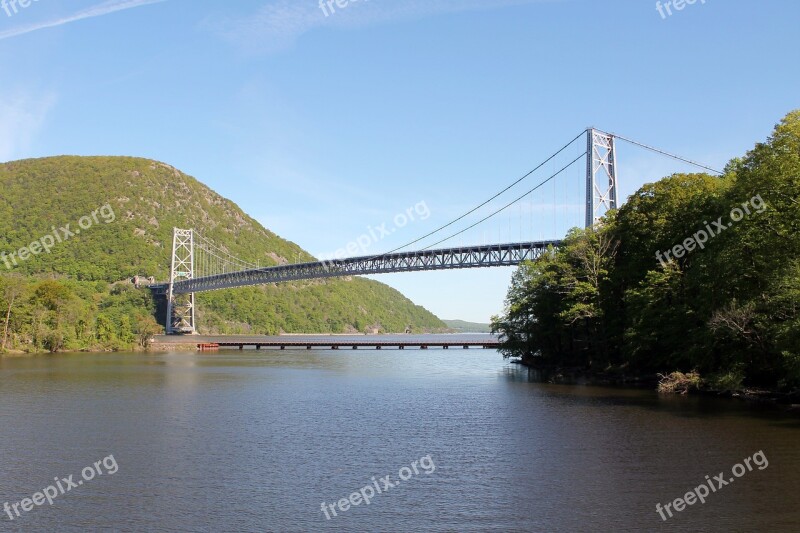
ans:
(246, 441)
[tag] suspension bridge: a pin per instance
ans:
(199, 265)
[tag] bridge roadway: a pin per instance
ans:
(490, 255)
(335, 342)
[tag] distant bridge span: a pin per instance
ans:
(199, 265)
(493, 255)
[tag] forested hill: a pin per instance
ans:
(125, 209)
(148, 198)
(696, 277)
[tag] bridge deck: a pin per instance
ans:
(335, 342)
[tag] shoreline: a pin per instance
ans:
(558, 375)
(15, 354)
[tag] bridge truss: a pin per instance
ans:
(494, 255)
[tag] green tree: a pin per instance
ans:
(12, 289)
(627, 295)
(146, 327)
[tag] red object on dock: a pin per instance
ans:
(208, 346)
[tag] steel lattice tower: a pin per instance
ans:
(601, 175)
(180, 307)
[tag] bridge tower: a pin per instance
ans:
(601, 175)
(180, 307)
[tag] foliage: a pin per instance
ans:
(462, 326)
(728, 310)
(148, 198)
(678, 382)
(329, 306)
(77, 295)
(555, 308)
(60, 314)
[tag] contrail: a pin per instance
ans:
(95, 11)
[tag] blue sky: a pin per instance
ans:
(323, 126)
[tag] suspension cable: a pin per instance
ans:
(437, 230)
(668, 154)
(509, 204)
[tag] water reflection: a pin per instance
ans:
(247, 441)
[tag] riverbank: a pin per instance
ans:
(665, 384)
(22, 353)
(634, 292)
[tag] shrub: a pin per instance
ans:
(678, 382)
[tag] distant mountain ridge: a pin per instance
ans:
(462, 326)
(149, 198)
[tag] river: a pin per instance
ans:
(258, 441)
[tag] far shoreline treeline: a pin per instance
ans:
(695, 279)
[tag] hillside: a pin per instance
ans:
(462, 326)
(122, 211)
